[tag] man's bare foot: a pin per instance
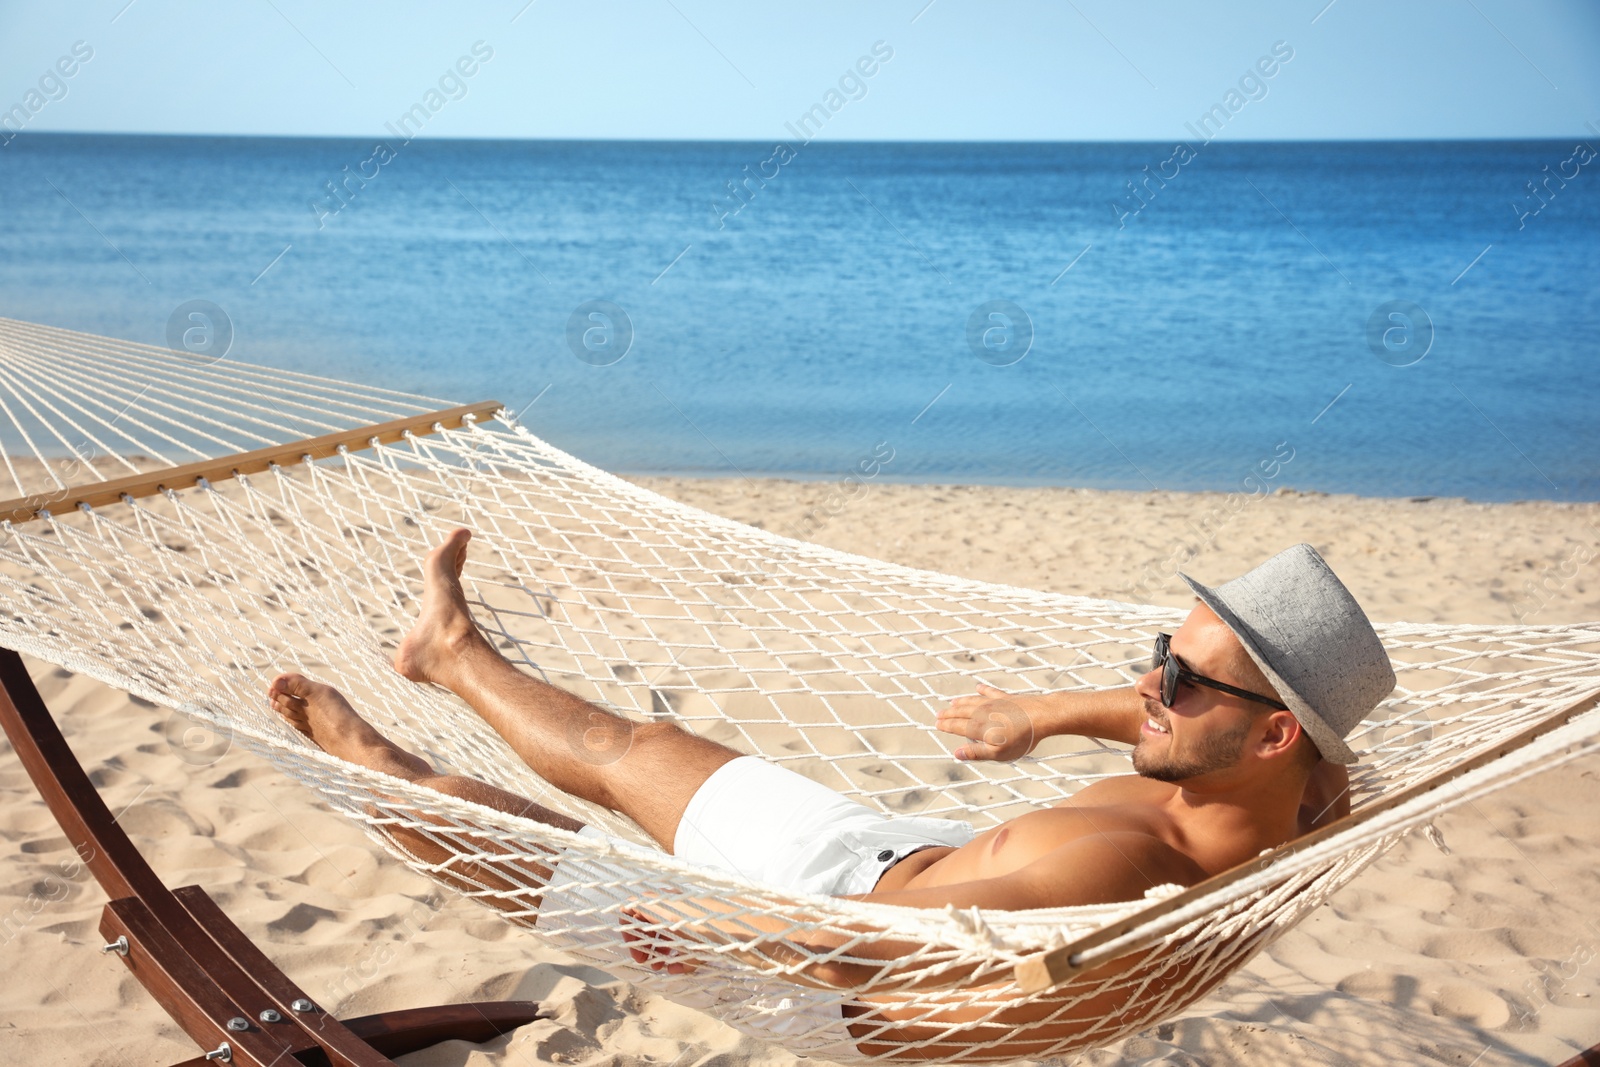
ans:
(323, 714)
(444, 629)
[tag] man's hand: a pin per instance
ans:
(997, 725)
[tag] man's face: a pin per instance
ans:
(1204, 731)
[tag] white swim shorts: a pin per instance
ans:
(773, 826)
(776, 827)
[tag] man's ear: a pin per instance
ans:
(1278, 740)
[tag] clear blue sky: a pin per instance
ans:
(714, 69)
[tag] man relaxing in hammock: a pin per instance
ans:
(1237, 730)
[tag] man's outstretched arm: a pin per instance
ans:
(1006, 726)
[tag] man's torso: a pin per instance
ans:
(1127, 804)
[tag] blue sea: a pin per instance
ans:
(1398, 319)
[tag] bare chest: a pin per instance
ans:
(1012, 846)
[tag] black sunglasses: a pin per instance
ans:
(1173, 671)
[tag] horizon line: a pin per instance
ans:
(30, 134)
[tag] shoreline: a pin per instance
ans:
(837, 477)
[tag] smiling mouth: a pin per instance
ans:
(1156, 721)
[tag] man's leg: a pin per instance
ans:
(646, 771)
(321, 713)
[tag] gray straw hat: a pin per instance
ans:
(1312, 641)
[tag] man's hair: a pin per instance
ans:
(1247, 673)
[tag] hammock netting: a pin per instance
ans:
(830, 664)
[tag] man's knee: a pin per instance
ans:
(660, 731)
(664, 737)
(649, 742)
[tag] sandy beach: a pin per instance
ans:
(1489, 954)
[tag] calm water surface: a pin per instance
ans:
(859, 299)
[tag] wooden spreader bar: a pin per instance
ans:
(98, 494)
(212, 979)
(1061, 964)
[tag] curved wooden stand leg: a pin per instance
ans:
(1589, 1058)
(395, 1033)
(212, 979)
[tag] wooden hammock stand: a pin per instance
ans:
(212, 979)
(214, 982)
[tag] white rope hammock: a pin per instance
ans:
(195, 596)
